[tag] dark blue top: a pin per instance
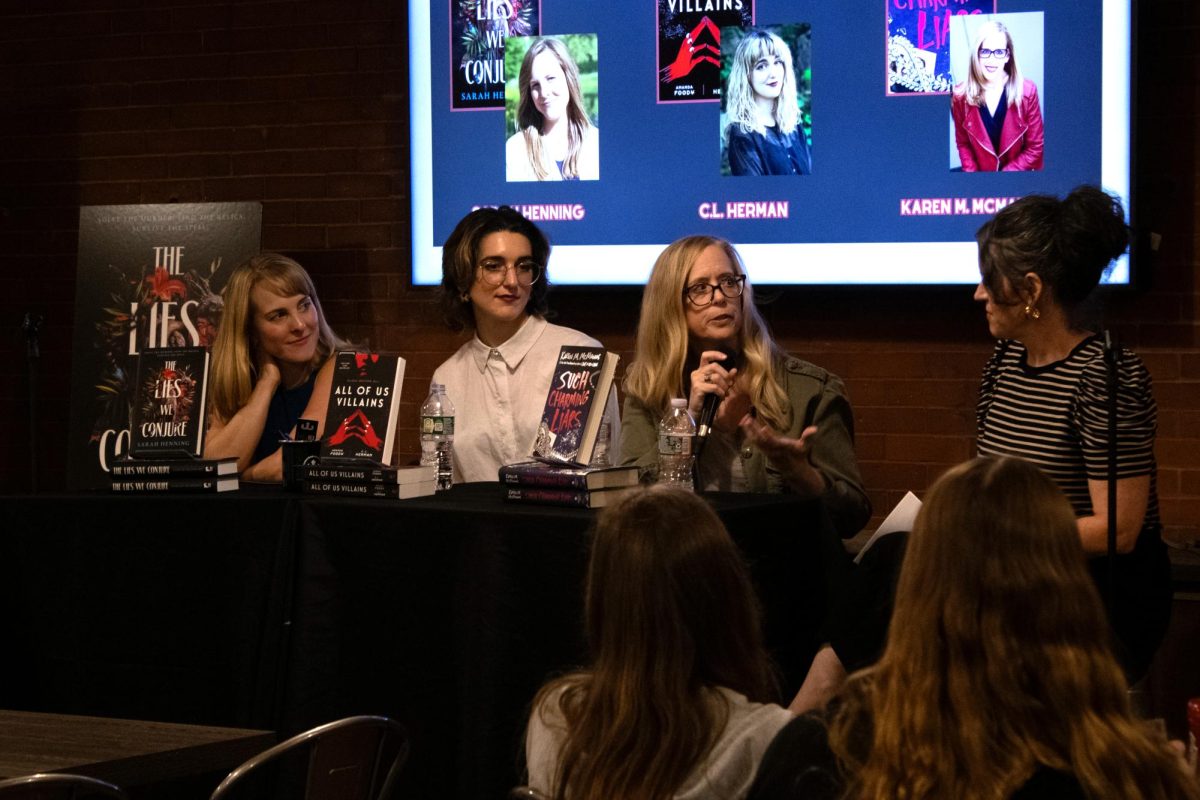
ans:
(995, 124)
(770, 153)
(286, 407)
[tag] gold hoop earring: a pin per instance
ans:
(1032, 312)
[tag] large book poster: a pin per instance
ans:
(478, 31)
(689, 46)
(148, 277)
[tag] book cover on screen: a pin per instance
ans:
(148, 277)
(537, 473)
(364, 398)
(170, 394)
(574, 407)
(689, 46)
(478, 31)
(918, 43)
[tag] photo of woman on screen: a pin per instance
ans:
(763, 134)
(996, 112)
(555, 139)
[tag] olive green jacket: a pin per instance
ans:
(817, 398)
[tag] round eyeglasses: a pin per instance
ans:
(702, 294)
(1001, 53)
(493, 273)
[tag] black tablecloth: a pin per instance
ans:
(262, 609)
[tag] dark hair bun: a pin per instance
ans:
(1091, 232)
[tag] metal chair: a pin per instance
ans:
(525, 793)
(356, 758)
(57, 786)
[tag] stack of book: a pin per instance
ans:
(369, 480)
(166, 432)
(583, 487)
(183, 475)
(360, 429)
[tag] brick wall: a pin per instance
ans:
(302, 105)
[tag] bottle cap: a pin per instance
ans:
(678, 402)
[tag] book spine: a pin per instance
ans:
(556, 497)
(163, 471)
(359, 474)
(535, 477)
(351, 488)
(159, 485)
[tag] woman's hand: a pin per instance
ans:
(790, 456)
(710, 378)
(267, 371)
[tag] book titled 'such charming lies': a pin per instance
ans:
(574, 406)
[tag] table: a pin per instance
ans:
(267, 610)
(128, 753)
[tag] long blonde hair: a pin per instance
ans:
(530, 120)
(233, 354)
(656, 374)
(972, 87)
(670, 615)
(998, 659)
(740, 105)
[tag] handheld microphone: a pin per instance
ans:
(711, 402)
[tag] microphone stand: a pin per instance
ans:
(31, 326)
(1111, 359)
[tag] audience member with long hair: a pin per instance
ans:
(997, 680)
(271, 364)
(676, 700)
(697, 313)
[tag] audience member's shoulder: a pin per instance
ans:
(799, 764)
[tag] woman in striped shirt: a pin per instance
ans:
(1044, 395)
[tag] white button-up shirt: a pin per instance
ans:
(499, 394)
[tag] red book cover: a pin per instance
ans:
(364, 397)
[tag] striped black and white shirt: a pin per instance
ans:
(1056, 416)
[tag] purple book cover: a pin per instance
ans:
(918, 43)
(478, 30)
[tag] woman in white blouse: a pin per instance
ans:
(494, 283)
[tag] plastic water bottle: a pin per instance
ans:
(676, 435)
(600, 453)
(437, 435)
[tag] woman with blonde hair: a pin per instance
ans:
(676, 700)
(782, 424)
(996, 112)
(764, 135)
(271, 364)
(555, 138)
(998, 680)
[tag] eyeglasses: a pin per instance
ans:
(1001, 53)
(702, 294)
(493, 273)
